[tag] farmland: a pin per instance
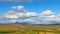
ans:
(29, 29)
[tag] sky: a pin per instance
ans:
(30, 11)
(37, 6)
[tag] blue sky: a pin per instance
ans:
(45, 10)
(37, 6)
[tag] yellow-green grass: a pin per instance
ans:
(29, 29)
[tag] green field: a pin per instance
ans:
(29, 29)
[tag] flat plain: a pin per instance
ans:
(29, 29)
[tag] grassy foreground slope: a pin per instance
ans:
(29, 29)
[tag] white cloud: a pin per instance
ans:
(20, 8)
(31, 14)
(14, 7)
(11, 14)
(47, 13)
(46, 17)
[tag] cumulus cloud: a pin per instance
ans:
(47, 13)
(22, 16)
(20, 8)
(11, 14)
(13, 7)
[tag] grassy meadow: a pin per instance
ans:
(29, 29)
